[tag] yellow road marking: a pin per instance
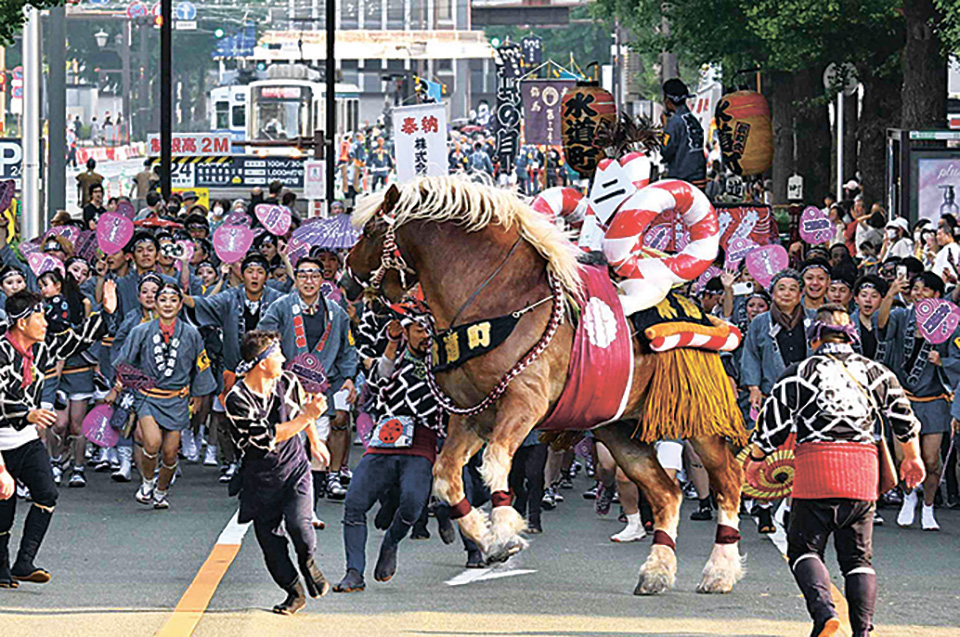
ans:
(194, 601)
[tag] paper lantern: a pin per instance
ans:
(585, 111)
(746, 132)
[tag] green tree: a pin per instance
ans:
(792, 41)
(12, 16)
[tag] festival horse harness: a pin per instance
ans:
(479, 337)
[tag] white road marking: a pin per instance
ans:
(471, 575)
(234, 531)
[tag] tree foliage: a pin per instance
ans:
(12, 16)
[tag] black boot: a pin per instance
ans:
(317, 585)
(296, 599)
(475, 559)
(352, 582)
(6, 579)
(38, 521)
(319, 485)
(387, 562)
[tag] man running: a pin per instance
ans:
(24, 354)
(268, 408)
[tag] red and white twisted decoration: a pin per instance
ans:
(556, 318)
(648, 278)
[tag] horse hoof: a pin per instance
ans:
(652, 584)
(715, 587)
(505, 551)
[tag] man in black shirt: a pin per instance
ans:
(268, 408)
(93, 210)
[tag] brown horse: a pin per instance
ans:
(479, 252)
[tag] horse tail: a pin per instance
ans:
(650, 276)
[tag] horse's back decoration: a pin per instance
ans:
(601, 363)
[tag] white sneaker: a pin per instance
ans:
(160, 499)
(126, 457)
(113, 458)
(145, 493)
(210, 456)
(927, 521)
(57, 472)
(908, 510)
(630, 533)
(188, 446)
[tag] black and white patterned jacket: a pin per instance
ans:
(820, 400)
(400, 389)
(254, 419)
(17, 401)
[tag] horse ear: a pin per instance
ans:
(390, 199)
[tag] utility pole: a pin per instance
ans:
(166, 95)
(125, 45)
(143, 97)
(331, 97)
(669, 68)
(30, 223)
(56, 49)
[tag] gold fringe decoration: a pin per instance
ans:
(690, 396)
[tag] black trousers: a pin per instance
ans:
(812, 522)
(292, 517)
(526, 480)
(30, 464)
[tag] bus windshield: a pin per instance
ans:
(281, 112)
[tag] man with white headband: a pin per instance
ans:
(25, 351)
(268, 408)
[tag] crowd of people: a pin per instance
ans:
(193, 355)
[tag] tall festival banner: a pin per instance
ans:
(420, 146)
(587, 111)
(506, 120)
(532, 46)
(541, 110)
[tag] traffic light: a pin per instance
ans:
(218, 33)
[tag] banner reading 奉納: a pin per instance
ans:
(420, 141)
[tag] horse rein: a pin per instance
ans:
(390, 259)
(487, 282)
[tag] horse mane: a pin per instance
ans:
(474, 207)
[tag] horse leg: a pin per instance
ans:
(458, 448)
(515, 419)
(725, 566)
(639, 462)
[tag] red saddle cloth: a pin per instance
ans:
(601, 363)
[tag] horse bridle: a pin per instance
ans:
(390, 259)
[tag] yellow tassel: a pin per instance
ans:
(690, 396)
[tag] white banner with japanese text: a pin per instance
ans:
(420, 147)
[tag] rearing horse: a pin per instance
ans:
(479, 252)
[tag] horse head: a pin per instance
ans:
(376, 261)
